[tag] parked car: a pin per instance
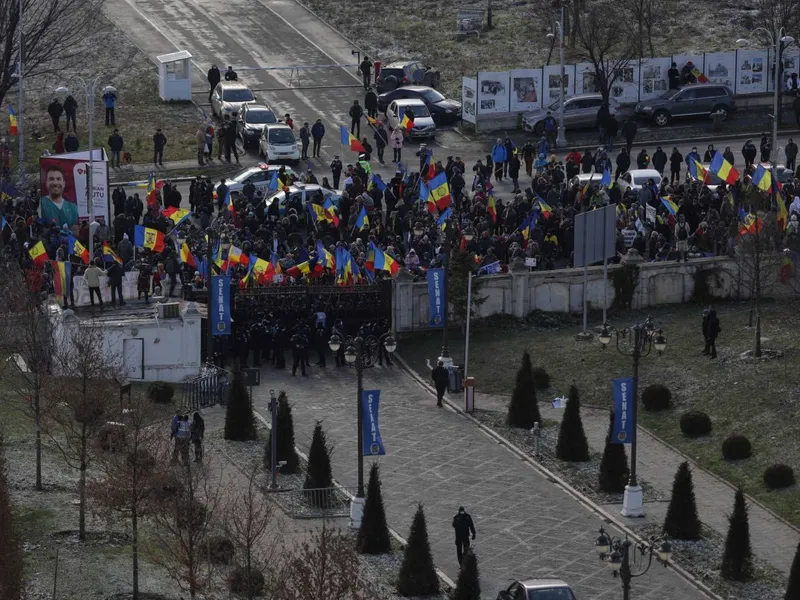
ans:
(250, 125)
(637, 178)
(443, 110)
(697, 100)
(303, 192)
(537, 589)
(278, 143)
(229, 97)
(424, 127)
(579, 111)
(259, 176)
(406, 72)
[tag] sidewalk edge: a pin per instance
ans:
(566, 487)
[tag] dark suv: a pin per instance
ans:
(702, 99)
(410, 72)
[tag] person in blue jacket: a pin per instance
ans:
(110, 100)
(691, 157)
(499, 156)
(543, 147)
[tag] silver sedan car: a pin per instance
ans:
(229, 97)
(537, 589)
(579, 111)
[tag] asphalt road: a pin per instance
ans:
(258, 36)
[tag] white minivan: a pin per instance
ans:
(278, 144)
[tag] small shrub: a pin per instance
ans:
(523, 410)
(218, 550)
(112, 437)
(541, 379)
(736, 447)
(161, 392)
(777, 477)
(239, 582)
(695, 423)
(656, 397)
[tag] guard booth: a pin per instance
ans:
(175, 76)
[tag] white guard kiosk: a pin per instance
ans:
(175, 76)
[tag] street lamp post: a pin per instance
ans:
(778, 38)
(445, 357)
(214, 239)
(622, 554)
(637, 341)
(561, 140)
(358, 353)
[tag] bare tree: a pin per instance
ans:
(184, 517)
(28, 331)
(54, 35)
(11, 563)
(643, 21)
(600, 42)
(326, 566)
(130, 470)
(84, 391)
(252, 527)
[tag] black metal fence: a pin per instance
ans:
(207, 389)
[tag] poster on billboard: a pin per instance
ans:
(791, 64)
(721, 68)
(550, 82)
(469, 98)
(63, 180)
(585, 80)
(526, 89)
(625, 88)
(493, 92)
(751, 71)
(687, 62)
(653, 77)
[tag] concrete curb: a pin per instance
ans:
(442, 576)
(553, 478)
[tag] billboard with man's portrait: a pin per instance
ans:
(63, 180)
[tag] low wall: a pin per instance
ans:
(520, 293)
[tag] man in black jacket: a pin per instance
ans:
(115, 144)
(336, 171)
(381, 140)
(675, 162)
(159, 141)
(587, 161)
(791, 154)
(659, 160)
(70, 109)
(623, 162)
(371, 103)
(317, 133)
(115, 274)
(629, 129)
(366, 71)
(356, 112)
(213, 77)
(55, 110)
(463, 525)
(440, 377)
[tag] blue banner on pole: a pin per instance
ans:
(371, 434)
(624, 427)
(438, 297)
(220, 310)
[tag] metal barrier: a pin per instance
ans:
(318, 503)
(207, 389)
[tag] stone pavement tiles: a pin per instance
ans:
(526, 527)
(773, 541)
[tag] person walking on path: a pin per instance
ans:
(463, 525)
(440, 377)
(213, 77)
(317, 133)
(183, 438)
(70, 110)
(159, 141)
(366, 71)
(356, 112)
(198, 433)
(371, 103)
(397, 144)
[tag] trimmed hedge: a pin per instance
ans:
(241, 584)
(695, 423)
(779, 476)
(541, 378)
(656, 397)
(218, 550)
(736, 447)
(161, 392)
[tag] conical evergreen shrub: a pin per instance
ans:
(572, 445)
(373, 535)
(468, 585)
(793, 589)
(285, 441)
(614, 471)
(319, 476)
(682, 522)
(417, 573)
(737, 560)
(240, 424)
(523, 410)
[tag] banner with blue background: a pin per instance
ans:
(371, 433)
(220, 310)
(437, 295)
(624, 427)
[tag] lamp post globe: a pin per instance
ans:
(390, 344)
(335, 343)
(350, 355)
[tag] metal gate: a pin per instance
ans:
(207, 389)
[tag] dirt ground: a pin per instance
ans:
(758, 399)
(110, 54)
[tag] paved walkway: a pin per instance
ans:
(773, 540)
(527, 527)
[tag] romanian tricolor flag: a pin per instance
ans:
(149, 238)
(783, 216)
(62, 272)
(316, 212)
(228, 203)
(186, 256)
(176, 215)
(348, 139)
(407, 123)
(262, 269)
(38, 254)
(671, 207)
(586, 187)
(306, 268)
(762, 178)
(151, 191)
(529, 224)
(698, 171)
(429, 168)
(12, 121)
(442, 220)
(425, 196)
(237, 257)
(752, 225)
(372, 121)
(723, 169)
(698, 74)
(75, 248)
(362, 220)
(330, 211)
(109, 255)
(382, 261)
(324, 257)
(440, 191)
(544, 207)
(491, 208)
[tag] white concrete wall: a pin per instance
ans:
(519, 294)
